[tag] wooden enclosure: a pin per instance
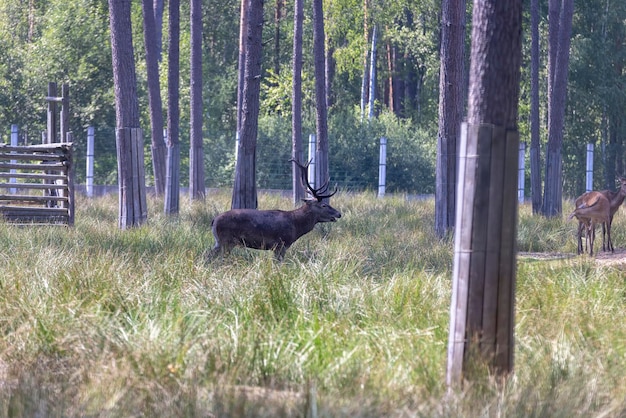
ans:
(37, 184)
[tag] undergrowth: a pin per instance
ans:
(101, 322)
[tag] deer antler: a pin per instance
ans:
(305, 181)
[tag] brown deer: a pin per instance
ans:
(274, 230)
(592, 208)
(616, 198)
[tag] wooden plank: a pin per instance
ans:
(70, 193)
(142, 178)
(33, 186)
(59, 147)
(494, 241)
(135, 137)
(34, 167)
(462, 242)
(123, 176)
(480, 203)
(30, 198)
(32, 176)
(31, 156)
(508, 265)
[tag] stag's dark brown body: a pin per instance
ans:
(273, 230)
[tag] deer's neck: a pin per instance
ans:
(303, 220)
(617, 197)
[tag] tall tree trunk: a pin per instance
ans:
(365, 79)
(391, 56)
(483, 295)
(244, 190)
(552, 198)
(158, 24)
(154, 97)
(330, 74)
(319, 54)
(535, 133)
(372, 94)
(196, 155)
(129, 141)
(278, 14)
(296, 103)
(451, 101)
(243, 24)
(172, 181)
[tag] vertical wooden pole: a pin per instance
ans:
(382, 167)
(521, 177)
(65, 111)
(52, 113)
(589, 178)
(14, 137)
(70, 185)
(312, 161)
(90, 157)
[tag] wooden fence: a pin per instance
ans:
(37, 184)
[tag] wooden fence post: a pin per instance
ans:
(65, 112)
(52, 113)
(312, 160)
(482, 307)
(382, 167)
(589, 177)
(90, 160)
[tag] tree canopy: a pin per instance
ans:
(69, 42)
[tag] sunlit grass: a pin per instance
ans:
(354, 322)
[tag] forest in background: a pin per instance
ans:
(69, 42)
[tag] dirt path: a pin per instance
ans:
(618, 258)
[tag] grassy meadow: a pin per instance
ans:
(95, 321)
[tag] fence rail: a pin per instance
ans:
(37, 184)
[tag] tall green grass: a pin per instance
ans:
(101, 322)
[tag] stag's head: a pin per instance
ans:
(323, 211)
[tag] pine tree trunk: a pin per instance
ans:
(196, 155)
(244, 190)
(296, 103)
(172, 180)
(321, 157)
(535, 133)
(451, 99)
(483, 295)
(129, 139)
(552, 198)
(154, 97)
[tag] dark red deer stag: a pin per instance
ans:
(274, 230)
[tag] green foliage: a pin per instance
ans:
(354, 153)
(65, 41)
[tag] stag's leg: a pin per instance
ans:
(610, 244)
(219, 249)
(279, 252)
(608, 235)
(581, 227)
(592, 237)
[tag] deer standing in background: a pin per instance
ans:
(274, 230)
(616, 198)
(592, 208)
